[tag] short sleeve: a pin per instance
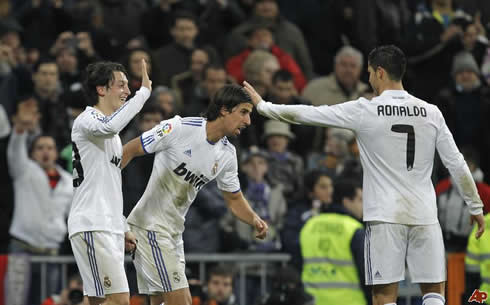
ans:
(161, 136)
(228, 178)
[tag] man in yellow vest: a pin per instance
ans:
(477, 267)
(332, 246)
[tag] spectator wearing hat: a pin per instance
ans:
(466, 107)
(287, 35)
(260, 37)
(285, 167)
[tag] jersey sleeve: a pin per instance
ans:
(228, 178)
(106, 126)
(17, 155)
(345, 115)
(160, 136)
(455, 163)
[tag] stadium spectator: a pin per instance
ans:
(218, 289)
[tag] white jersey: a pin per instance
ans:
(184, 162)
(97, 152)
(397, 135)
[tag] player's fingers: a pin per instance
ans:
(143, 68)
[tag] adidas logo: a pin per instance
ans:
(377, 275)
(188, 153)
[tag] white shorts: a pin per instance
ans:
(159, 261)
(388, 246)
(100, 260)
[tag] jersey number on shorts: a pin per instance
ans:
(408, 129)
(77, 164)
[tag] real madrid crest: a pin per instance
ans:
(176, 277)
(107, 282)
(215, 168)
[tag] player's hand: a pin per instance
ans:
(145, 79)
(261, 227)
(480, 220)
(130, 241)
(256, 98)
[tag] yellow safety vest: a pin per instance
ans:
(329, 272)
(478, 256)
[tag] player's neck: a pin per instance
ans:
(391, 86)
(104, 108)
(214, 131)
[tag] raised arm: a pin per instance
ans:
(108, 126)
(242, 210)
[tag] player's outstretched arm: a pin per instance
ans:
(242, 210)
(131, 149)
(344, 115)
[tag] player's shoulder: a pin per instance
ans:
(192, 121)
(227, 146)
(431, 108)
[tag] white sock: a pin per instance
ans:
(390, 304)
(433, 299)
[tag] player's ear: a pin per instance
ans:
(223, 111)
(101, 90)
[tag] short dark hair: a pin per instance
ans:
(183, 14)
(229, 97)
(311, 178)
(344, 188)
(99, 74)
(283, 76)
(42, 61)
(213, 66)
(151, 108)
(220, 270)
(391, 58)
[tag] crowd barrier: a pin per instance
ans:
(407, 290)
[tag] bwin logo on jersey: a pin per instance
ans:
(197, 181)
(116, 161)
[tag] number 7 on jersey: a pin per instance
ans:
(408, 129)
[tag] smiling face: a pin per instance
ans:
(238, 119)
(116, 94)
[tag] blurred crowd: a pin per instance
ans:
(293, 52)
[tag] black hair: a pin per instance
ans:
(151, 108)
(282, 75)
(37, 138)
(184, 15)
(391, 58)
(99, 74)
(213, 66)
(42, 61)
(344, 188)
(311, 179)
(222, 271)
(228, 97)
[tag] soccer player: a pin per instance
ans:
(96, 224)
(190, 152)
(397, 135)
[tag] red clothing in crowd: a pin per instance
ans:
(286, 62)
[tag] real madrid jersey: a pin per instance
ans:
(184, 162)
(97, 152)
(397, 135)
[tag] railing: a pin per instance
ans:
(407, 291)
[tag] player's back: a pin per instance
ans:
(397, 139)
(97, 200)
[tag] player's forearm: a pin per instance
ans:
(467, 188)
(242, 210)
(121, 117)
(293, 114)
